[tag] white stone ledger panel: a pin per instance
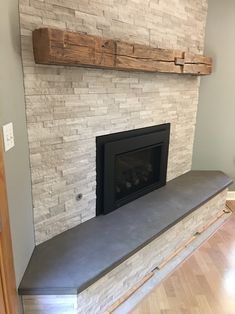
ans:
(67, 107)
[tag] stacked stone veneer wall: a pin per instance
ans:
(103, 293)
(68, 107)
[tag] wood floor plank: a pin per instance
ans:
(203, 284)
(231, 205)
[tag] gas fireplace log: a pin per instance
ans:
(58, 47)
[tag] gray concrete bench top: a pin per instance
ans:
(73, 260)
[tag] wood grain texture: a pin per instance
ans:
(2, 298)
(8, 283)
(203, 284)
(58, 47)
(231, 205)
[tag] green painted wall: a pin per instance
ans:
(12, 109)
(214, 146)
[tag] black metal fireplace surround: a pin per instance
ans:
(130, 164)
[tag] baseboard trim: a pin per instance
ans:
(231, 196)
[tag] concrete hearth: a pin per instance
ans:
(93, 264)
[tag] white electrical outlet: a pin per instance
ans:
(8, 136)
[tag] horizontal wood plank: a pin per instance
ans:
(58, 47)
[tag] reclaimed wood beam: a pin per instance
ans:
(58, 47)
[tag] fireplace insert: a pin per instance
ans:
(130, 164)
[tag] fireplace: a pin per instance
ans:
(130, 164)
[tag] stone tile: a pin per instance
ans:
(67, 107)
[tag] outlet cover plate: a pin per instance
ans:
(8, 136)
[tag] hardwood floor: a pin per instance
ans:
(231, 205)
(203, 284)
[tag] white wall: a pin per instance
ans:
(214, 146)
(12, 108)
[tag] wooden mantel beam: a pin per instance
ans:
(58, 47)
